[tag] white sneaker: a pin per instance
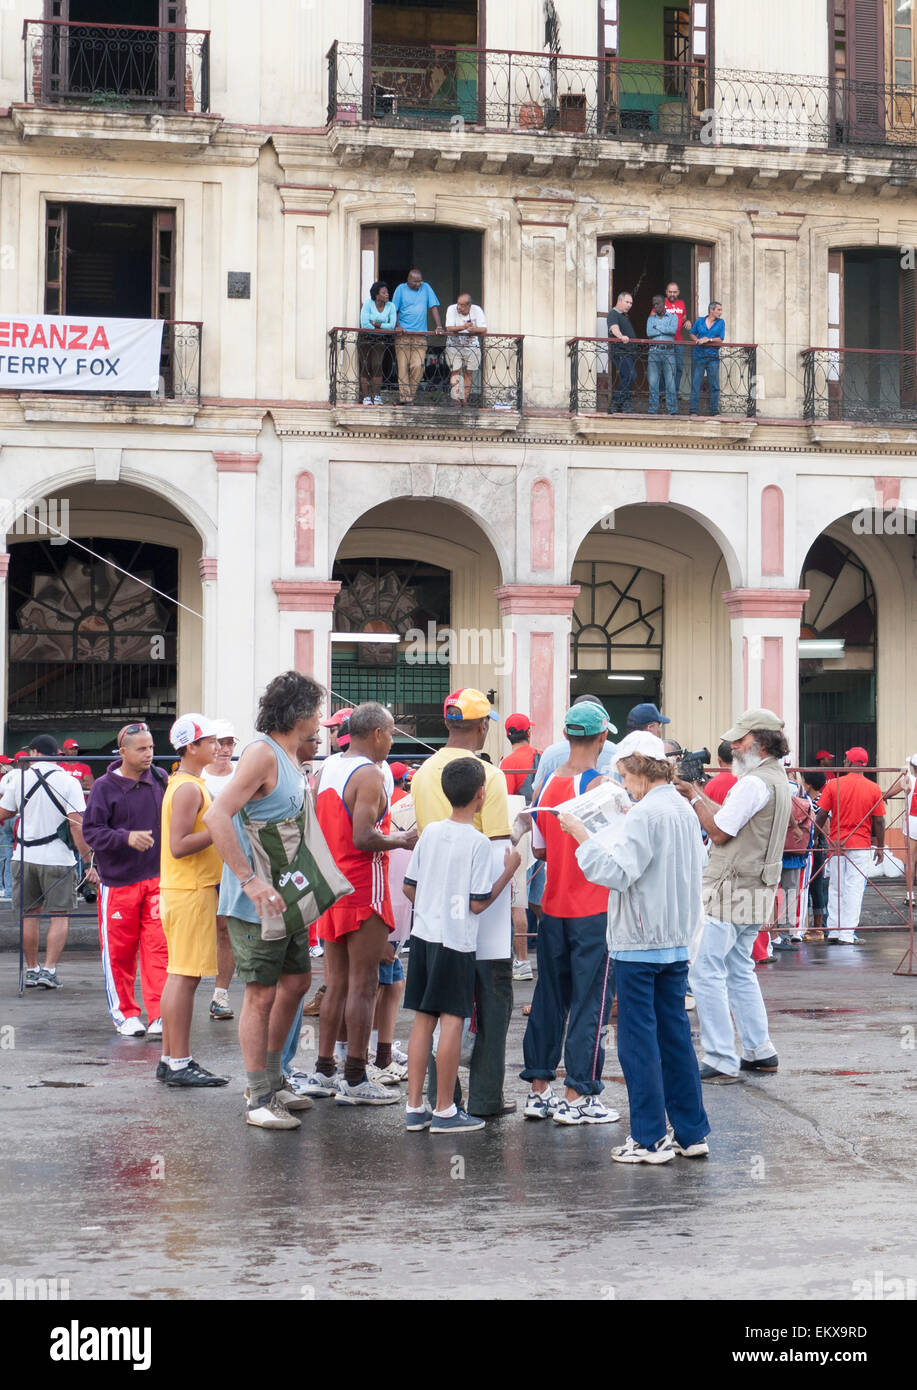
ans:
(387, 1076)
(377, 400)
(587, 1110)
(316, 951)
(292, 1100)
(398, 1055)
(632, 1152)
(155, 1028)
(540, 1105)
(367, 1093)
(699, 1150)
(273, 1114)
(131, 1028)
(522, 970)
(316, 1083)
(367, 400)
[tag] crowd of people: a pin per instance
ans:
(668, 329)
(255, 866)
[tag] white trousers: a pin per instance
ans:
(846, 886)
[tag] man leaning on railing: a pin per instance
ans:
(412, 299)
(708, 335)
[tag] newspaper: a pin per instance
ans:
(601, 809)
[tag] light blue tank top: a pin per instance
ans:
(284, 801)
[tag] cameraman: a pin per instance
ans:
(747, 835)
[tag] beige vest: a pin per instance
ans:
(741, 877)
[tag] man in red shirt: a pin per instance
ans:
(576, 981)
(517, 765)
(719, 787)
(80, 771)
(857, 813)
(824, 758)
(675, 305)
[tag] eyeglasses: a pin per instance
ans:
(132, 729)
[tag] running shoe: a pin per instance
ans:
(162, 1070)
(522, 970)
(48, 979)
(293, 1100)
(587, 1110)
(314, 1006)
(540, 1105)
(367, 1093)
(131, 1028)
(219, 1010)
(31, 978)
(267, 1112)
(194, 1075)
(377, 400)
(459, 1123)
(699, 1150)
(316, 952)
(385, 1076)
(315, 1083)
(632, 1152)
(155, 1028)
(398, 1055)
(416, 1120)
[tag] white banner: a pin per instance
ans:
(43, 352)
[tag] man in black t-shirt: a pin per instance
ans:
(620, 332)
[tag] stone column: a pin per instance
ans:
(536, 624)
(764, 626)
(232, 648)
(307, 609)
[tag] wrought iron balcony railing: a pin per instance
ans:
(424, 369)
(607, 377)
(446, 88)
(116, 65)
(875, 386)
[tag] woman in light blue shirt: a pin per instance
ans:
(653, 868)
(377, 317)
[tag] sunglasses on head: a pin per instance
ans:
(132, 729)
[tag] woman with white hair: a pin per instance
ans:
(653, 868)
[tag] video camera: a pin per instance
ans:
(690, 766)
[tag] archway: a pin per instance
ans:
(103, 615)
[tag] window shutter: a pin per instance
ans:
(56, 259)
(907, 335)
(865, 54)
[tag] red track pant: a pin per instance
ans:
(129, 925)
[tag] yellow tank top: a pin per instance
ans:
(201, 870)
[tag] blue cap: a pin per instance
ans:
(641, 715)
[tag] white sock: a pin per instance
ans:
(446, 1114)
(176, 1063)
(165, 1059)
(221, 996)
(414, 1109)
(374, 1041)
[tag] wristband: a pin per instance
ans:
(696, 799)
(243, 881)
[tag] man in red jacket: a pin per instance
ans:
(122, 827)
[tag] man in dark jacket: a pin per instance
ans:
(122, 827)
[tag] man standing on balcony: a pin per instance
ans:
(676, 305)
(465, 326)
(661, 327)
(412, 299)
(708, 335)
(621, 332)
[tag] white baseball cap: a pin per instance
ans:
(188, 728)
(223, 728)
(643, 742)
(913, 759)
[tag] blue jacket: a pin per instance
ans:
(662, 326)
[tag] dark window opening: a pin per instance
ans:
(449, 259)
(644, 266)
(837, 699)
(110, 51)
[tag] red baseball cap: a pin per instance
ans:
(337, 718)
(398, 770)
(823, 753)
(857, 755)
(5, 759)
(518, 721)
(70, 743)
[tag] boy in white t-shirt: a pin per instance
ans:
(449, 881)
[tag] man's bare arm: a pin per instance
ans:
(368, 790)
(254, 777)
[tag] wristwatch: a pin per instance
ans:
(696, 799)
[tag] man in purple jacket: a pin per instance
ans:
(122, 827)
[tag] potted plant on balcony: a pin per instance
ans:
(531, 116)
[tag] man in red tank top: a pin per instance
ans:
(352, 804)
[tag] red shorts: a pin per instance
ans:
(343, 918)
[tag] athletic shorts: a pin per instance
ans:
(189, 923)
(440, 980)
(46, 888)
(341, 920)
(391, 972)
(912, 828)
(263, 962)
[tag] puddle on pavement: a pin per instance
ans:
(62, 1085)
(816, 1011)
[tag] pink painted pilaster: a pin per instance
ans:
(889, 492)
(765, 603)
(207, 565)
(542, 525)
(4, 564)
(306, 595)
(304, 651)
(537, 599)
(236, 463)
(305, 519)
(541, 686)
(772, 530)
(772, 674)
(658, 481)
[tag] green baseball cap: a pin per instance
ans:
(585, 720)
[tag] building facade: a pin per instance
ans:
(245, 173)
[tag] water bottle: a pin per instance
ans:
(273, 927)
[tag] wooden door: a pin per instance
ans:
(834, 367)
(700, 84)
(56, 259)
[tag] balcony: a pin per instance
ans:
(114, 67)
(609, 378)
(364, 364)
(867, 386)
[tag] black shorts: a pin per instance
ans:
(440, 980)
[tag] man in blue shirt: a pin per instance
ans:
(662, 325)
(711, 332)
(412, 299)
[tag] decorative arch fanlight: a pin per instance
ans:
(385, 595)
(842, 600)
(618, 611)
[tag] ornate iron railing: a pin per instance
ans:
(871, 385)
(116, 65)
(448, 88)
(365, 364)
(180, 364)
(609, 377)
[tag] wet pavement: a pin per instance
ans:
(127, 1189)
